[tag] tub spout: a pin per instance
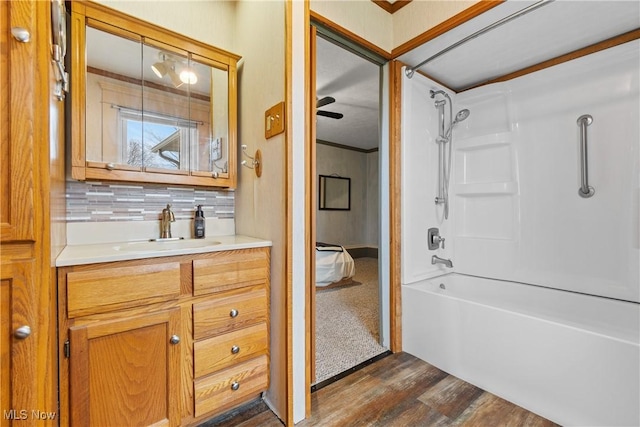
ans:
(437, 260)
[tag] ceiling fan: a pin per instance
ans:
(325, 101)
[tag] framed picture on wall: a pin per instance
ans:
(334, 193)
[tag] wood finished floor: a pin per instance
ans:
(399, 390)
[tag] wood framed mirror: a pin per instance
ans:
(152, 105)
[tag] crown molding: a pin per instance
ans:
(392, 7)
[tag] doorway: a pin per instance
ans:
(350, 285)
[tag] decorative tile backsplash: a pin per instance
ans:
(135, 202)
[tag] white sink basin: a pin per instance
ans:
(153, 246)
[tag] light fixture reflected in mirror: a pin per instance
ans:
(175, 79)
(166, 66)
(188, 76)
(160, 69)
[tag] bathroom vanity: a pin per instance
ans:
(163, 340)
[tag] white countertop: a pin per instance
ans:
(121, 251)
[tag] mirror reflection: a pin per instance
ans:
(151, 109)
(334, 193)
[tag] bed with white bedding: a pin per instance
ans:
(334, 265)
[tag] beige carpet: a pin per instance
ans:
(347, 320)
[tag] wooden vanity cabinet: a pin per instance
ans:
(139, 346)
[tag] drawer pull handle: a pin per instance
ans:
(235, 386)
(233, 313)
(235, 349)
(174, 339)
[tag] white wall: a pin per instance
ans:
(358, 226)
(516, 210)
(420, 182)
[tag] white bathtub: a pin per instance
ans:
(572, 358)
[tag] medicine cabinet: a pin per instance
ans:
(149, 105)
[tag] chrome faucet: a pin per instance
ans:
(437, 260)
(166, 219)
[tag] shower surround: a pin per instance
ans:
(516, 217)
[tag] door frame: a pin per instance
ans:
(320, 26)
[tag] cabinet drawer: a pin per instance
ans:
(229, 270)
(230, 310)
(232, 386)
(106, 289)
(224, 350)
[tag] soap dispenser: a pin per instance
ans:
(198, 223)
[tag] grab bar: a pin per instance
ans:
(585, 189)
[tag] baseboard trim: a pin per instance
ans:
(362, 252)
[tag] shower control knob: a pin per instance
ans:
(434, 239)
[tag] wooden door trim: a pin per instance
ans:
(312, 205)
(395, 204)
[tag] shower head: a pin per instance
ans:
(462, 115)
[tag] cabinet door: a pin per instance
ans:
(126, 371)
(17, 116)
(18, 345)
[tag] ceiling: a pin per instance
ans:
(557, 28)
(355, 84)
(554, 29)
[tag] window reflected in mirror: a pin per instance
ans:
(334, 193)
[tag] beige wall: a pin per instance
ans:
(358, 226)
(421, 15)
(260, 202)
(373, 199)
(211, 22)
(361, 17)
(385, 30)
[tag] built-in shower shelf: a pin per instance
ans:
(483, 141)
(486, 189)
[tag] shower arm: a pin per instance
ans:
(410, 70)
